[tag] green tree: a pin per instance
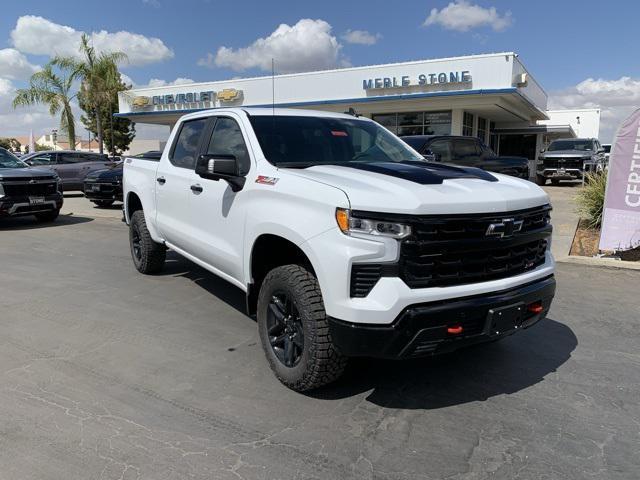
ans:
(53, 89)
(99, 76)
(10, 144)
(118, 132)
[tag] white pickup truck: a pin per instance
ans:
(345, 240)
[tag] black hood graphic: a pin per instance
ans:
(424, 173)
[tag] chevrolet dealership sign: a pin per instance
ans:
(186, 100)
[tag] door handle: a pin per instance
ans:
(197, 188)
(161, 180)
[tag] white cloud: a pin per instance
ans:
(616, 99)
(154, 82)
(14, 65)
(361, 37)
(307, 45)
(463, 16)
(39, 36)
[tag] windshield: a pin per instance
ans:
(8, 160)
(583, 145)
(301, 142)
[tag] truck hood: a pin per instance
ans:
(28, 173)
(387, 192)
(567, 154)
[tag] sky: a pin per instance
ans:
(580, 51)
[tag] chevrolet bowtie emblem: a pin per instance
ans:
(506, 228)
(140, 102)
(229, 94)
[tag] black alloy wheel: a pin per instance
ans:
(136, 243)
(285, 330)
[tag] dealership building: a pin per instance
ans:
(490, 96)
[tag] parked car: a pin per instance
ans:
(28, 191)
(346, 241)
(607, 152)
(570, 159)
(104, 187)
(72, 166)
(468, 152)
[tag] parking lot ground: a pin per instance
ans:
(110, 374)
(564, 216)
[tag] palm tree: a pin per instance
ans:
(99, 75)
(49, 88)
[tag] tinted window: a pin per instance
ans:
(583, 145)
(227, 140)
(44, 159)
(8, 160)
(416, 143)
(465, 149)
(66, 158)
(185, 148)
(441, 149)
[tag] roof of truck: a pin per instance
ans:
(268, 111)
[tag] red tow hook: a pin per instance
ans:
(535, 307)
(455, 330)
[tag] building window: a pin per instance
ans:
(482, 129)
(416, 123)
(467, 124)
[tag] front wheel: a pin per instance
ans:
(148, 256)
(541, 180)
(294, 330)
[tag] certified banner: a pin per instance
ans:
(621, 217)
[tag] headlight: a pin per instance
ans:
(349, 225)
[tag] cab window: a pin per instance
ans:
(185, 148)
(441, 149)
(227, 140)
(44, 159)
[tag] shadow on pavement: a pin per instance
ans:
(473, 374)
(30, 222)
(178, 266)
(469, 375)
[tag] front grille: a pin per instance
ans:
(563, 163)
(455, 250)
(29, 189)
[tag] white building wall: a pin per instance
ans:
(585, 122)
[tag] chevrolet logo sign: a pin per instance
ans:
(506, 228)
(140, 102)
(229, 95)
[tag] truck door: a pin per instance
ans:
(217, 212)
(174, 177)
(68, 168)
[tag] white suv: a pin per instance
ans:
(345, 240)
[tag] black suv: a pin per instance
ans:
(28, 191)
(468, 152)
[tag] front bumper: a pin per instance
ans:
(21, 206)
(422, 329)
(103, 191)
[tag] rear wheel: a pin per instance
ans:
(148, 256)
(294, 330)
(49, 216)
(103, 203)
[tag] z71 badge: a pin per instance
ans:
(267, 180)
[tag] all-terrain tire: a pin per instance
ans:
(49, 216)
(148, 256)
(320, 363)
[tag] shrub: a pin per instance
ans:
(590, 200)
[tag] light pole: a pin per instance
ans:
(54, 137)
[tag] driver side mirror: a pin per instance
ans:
(542, 150)
(216, 167)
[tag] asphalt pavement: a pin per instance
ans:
(110, 374)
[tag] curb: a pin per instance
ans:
(600, 262)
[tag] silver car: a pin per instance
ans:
(70, 165)
(570, 159)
